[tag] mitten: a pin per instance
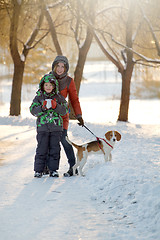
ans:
(54, 103)
(49, 105)
(44, 105)
(81, 122)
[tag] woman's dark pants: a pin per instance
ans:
(68, 149)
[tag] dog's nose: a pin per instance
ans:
(114, 139)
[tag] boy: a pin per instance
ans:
(48, 106)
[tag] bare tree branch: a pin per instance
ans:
(137, 30)
(151, 29)
(57, 4)
(52, 30)
(143, 58)
(29, 42)
(38, 41)
(77, 27)
(120, 68)
(109, 8)
(107, 54)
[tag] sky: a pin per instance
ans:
(117, 200)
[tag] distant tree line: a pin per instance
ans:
(126, 31)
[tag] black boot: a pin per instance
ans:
(70, 173)
(54, 174)
(38, 174)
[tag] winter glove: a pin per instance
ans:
(54, 103)
(44, 105)
(81, 122)
(49, 105)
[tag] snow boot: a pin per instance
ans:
(38, 174)
(70, 173)
(54, 174)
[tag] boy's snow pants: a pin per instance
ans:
(48, 149)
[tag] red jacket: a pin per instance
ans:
(67, 88)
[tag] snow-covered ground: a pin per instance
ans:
(118, 200)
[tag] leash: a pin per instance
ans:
(98, 139)
(90, 131)
(105, 142)
(95, 137)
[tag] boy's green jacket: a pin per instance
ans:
(49, 120)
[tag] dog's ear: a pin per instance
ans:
(108, 135)
(118, 136)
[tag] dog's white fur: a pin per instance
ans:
(103, 146)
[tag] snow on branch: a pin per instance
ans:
(19, 2)
(23, 57)
(57, 4)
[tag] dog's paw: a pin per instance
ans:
(82, 175)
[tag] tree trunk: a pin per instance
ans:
(15, 104)
(127, 73)
(125, 94)
(53, 31)
(19, 60)
(83, 51)
(80, 65)
(18, 66)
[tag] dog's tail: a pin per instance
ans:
(75, 145)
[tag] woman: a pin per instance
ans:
(67, 87)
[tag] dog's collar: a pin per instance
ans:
(104, 141)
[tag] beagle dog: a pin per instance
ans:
(101, 146)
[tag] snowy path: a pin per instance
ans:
(52, 209)
(114, 201)
(48, 208)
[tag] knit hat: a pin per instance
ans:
(62, 59)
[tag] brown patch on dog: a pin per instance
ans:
(109, 135)
(118, 136)
(75, 145)
(80, 153)
(94, 146)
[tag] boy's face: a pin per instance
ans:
(48, 87)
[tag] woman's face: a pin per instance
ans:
(48, 87)
(60, 68)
